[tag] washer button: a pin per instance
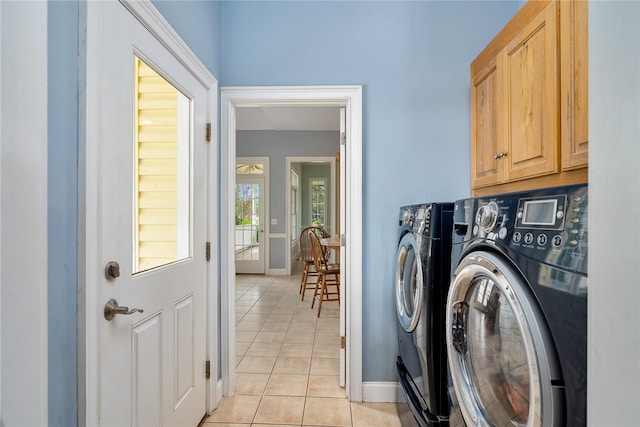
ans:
(559, 214)
(528, 238)
(542, 239)
(517, 236)
(557, 240)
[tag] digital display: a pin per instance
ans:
(540, 212)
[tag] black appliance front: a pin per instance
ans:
(421, 282)
(516, 320)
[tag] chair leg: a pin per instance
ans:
(303, 280)
(323, 292)
(305, 285)
(318, 287)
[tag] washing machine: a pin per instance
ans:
(423, 266)
(516, 314)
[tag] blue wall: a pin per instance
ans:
(412, 59)
(63, 211)
(198, 24)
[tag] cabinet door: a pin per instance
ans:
(530, 80)
(485, 168)
(574, 84)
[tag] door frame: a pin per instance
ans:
(89, 205)
(25, 282)
(349, 97)
(331, 161)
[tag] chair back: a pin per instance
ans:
(306, 254)
(319, 257)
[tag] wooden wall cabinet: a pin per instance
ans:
(574, 83)
(527, 129)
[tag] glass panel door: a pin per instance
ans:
(249, 225)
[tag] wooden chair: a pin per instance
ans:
(309, 274)
(328, 275)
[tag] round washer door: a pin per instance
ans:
(409, 283)
(502, 360)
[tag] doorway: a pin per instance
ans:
(251, 200)
(349, 97)
(303, 207)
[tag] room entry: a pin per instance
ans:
(249, 225)
(350, 97)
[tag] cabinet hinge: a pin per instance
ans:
(209, 132)
(343, 138)
(207, 369)
(343, 342)
(207, 251)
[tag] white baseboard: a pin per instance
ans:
(219, 392)
(278, 272)
(379, 391)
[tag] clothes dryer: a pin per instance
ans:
(421, 282)
(516, 317)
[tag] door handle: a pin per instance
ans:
(111, 308)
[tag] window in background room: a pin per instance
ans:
(294, 206)
(318, 201)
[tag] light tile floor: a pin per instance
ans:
(287, 363)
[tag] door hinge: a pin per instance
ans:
(207, 251)
(343, 138)
(207, 369)
(209, 132)
(343, 342)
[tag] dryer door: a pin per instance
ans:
(409, 283)
(503, 364)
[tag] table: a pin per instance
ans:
(332, 242)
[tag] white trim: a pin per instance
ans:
(88, 202)
(346, 96)
(214, 389)
(219, 393)
(23, 214)
(380, 391)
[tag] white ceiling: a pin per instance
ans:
(288, 118)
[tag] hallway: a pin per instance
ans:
(287, 363)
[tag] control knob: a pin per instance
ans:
(487, 216)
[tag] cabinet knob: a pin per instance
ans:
(499, 155)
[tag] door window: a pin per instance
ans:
(502, 360)
(162, 184)
(496, 355)
(409, 283)
(247, 221)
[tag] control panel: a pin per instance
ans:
(418, 217)
(549, 225)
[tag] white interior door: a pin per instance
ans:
(343, 276)
(152, 199)
(249, 230)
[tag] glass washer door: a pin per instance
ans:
(409, 283)
(500, 352)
